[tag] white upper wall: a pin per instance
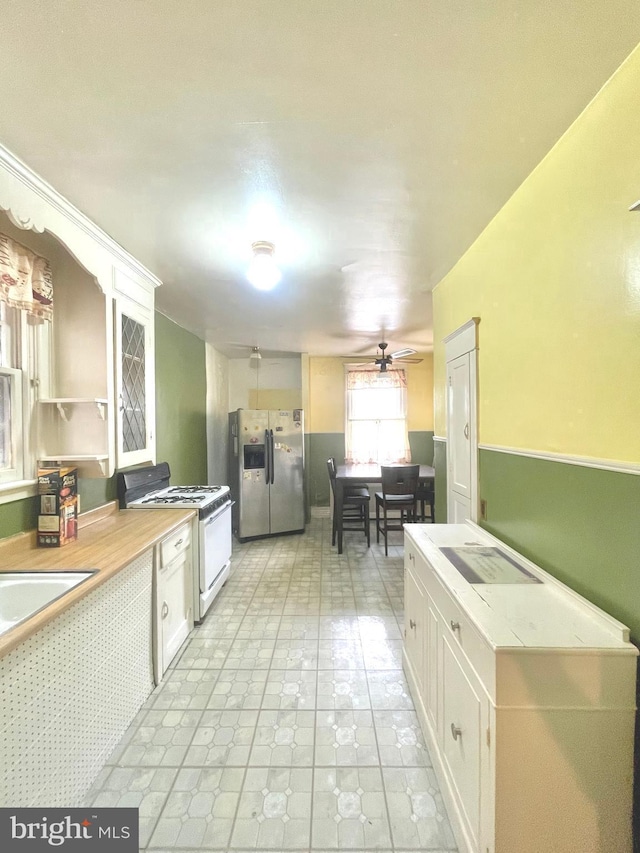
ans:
(271, 374)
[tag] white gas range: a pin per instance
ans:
(148, 488)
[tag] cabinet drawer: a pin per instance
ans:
(175, 544)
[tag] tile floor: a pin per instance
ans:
(285, 723)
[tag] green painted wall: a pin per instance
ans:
(580, 524)
(440, 464)
(17, 516)
(96, 492)
(421, 444)
(181, 388)
(320, 446)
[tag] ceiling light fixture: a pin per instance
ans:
(263, 272)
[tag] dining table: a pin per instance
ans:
(364, 472)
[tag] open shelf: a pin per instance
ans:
(88, 465)
(65, 405)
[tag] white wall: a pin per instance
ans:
(272, 374)
(230, 383)
(217, 411)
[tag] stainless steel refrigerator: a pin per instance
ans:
(266, 470)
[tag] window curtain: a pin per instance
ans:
(25, 279)
(376, 417)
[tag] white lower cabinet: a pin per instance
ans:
(174, 598)
(463, 711)
(416, 615)
(526, 695)
(69, 692)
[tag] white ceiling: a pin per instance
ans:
(384, 133)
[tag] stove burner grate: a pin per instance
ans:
(172, 499)
(190, 489)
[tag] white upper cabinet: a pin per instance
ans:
(135, 373)
(93, 402)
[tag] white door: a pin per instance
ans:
(462, 472)
(459, 405)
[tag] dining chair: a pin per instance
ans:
(399, 494)
(355, 506)
(426, 496)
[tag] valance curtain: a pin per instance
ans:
(25, 279)
(376, 417)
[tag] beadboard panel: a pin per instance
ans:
(68, 693)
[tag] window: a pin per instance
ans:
(24, 361)
(11, 411)
(376, 429)
(26, 309)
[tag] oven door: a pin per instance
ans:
(215, 554)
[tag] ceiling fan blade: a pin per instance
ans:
(402, 353)
(408, 360)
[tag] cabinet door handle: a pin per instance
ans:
(466, 430)
(455, 626)
(412, 559)
(455, 731)
(165, 610)
(412, 624)
(178, 543)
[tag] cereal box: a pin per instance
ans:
(58, 506)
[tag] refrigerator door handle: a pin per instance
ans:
(267, 459)
(272, 461)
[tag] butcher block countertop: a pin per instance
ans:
(108, 540)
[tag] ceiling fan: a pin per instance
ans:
(383, 361)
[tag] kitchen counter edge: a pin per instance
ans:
(108, 540)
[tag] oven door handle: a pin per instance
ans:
(211, 518)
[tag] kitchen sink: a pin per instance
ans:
(24, 593)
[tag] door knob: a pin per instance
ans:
(455, 731)
(412, 624)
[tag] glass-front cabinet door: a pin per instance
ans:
(135, 384)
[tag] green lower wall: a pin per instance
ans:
(421, 444)
(321, 445)
(440, 464)
(17, 516)
(580, 524)
(181, 389)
